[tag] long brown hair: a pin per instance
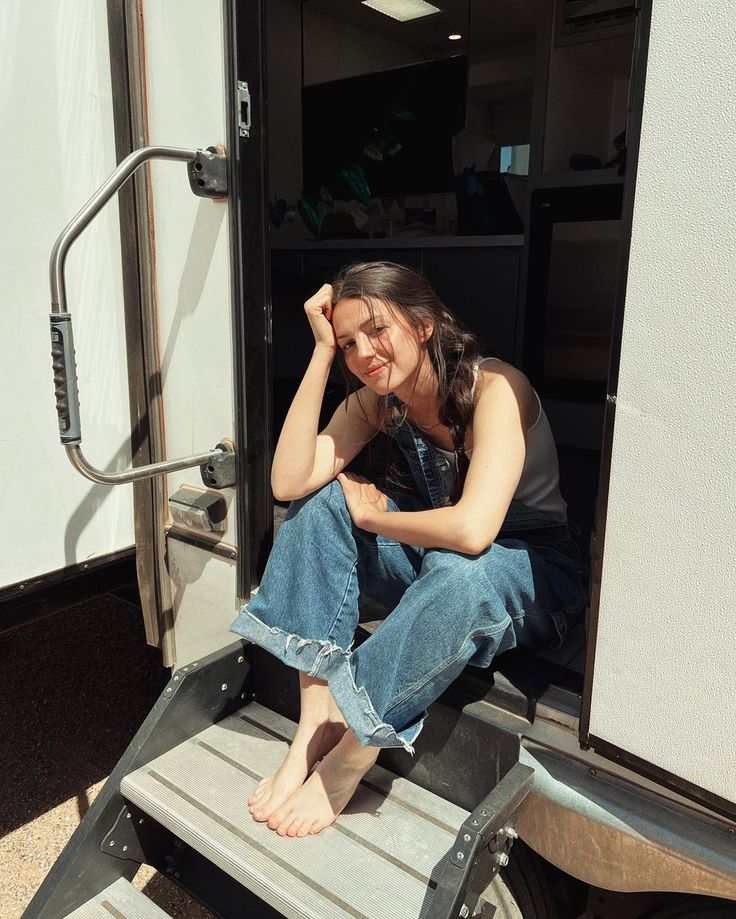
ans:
(452, 350)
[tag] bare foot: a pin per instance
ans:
(312, 741)
(327, 791)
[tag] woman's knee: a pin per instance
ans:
(476, 590)
(453, 567)
(327, 502)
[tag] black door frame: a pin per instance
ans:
(244, 44)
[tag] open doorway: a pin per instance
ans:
(484, 144)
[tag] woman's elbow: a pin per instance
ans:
(281, 494)
(475, 540)
(475, 546)
(285, 491)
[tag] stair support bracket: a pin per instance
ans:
(136, 837)
(482, 846)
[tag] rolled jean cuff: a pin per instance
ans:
(326, 660)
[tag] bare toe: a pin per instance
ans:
(256, 793)
(278, 816)
(285, 824)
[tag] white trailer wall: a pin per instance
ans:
(664, 665)
(58, 145)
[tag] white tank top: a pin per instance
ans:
(539, 486)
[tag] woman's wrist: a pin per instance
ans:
(370, 519)
(324, 351)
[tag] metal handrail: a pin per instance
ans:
(62, 341)
(77, 460)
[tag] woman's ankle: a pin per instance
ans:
(353, 753)
(318, 707)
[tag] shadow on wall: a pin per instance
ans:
(93, 500)
(197, 263)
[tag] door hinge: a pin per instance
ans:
(244, 122)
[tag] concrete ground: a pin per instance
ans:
(76, 687)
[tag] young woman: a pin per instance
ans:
(472, 559)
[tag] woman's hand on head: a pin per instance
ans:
(362, 498)
(319, 313)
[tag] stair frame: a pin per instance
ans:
(468, 718)
(195, 697)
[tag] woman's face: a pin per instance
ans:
(379, 346)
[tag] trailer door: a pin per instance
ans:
(659, 693)
(196, 272)
(211, 304)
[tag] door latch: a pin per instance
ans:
(244, 123)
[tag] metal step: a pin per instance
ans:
(381, 859)
(119, 901)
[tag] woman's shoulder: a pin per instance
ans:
(493, 368)
(372, 407)
(494, 375)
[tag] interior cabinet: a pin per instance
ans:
(480, 286)
(587, 96)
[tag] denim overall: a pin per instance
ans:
(447, 609)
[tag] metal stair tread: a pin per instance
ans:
(381, 859)
(119, 901)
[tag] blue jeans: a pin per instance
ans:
(447, 610)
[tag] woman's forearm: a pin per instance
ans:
(293, 461)
(440, 528)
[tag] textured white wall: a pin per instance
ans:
(58, 146)
(664, 670)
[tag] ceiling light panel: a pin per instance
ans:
(403, 10)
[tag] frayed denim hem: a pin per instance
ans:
(326, 660)
(356, 706)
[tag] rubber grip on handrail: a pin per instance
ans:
(65, 378)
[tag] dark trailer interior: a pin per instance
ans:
(494, 162)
